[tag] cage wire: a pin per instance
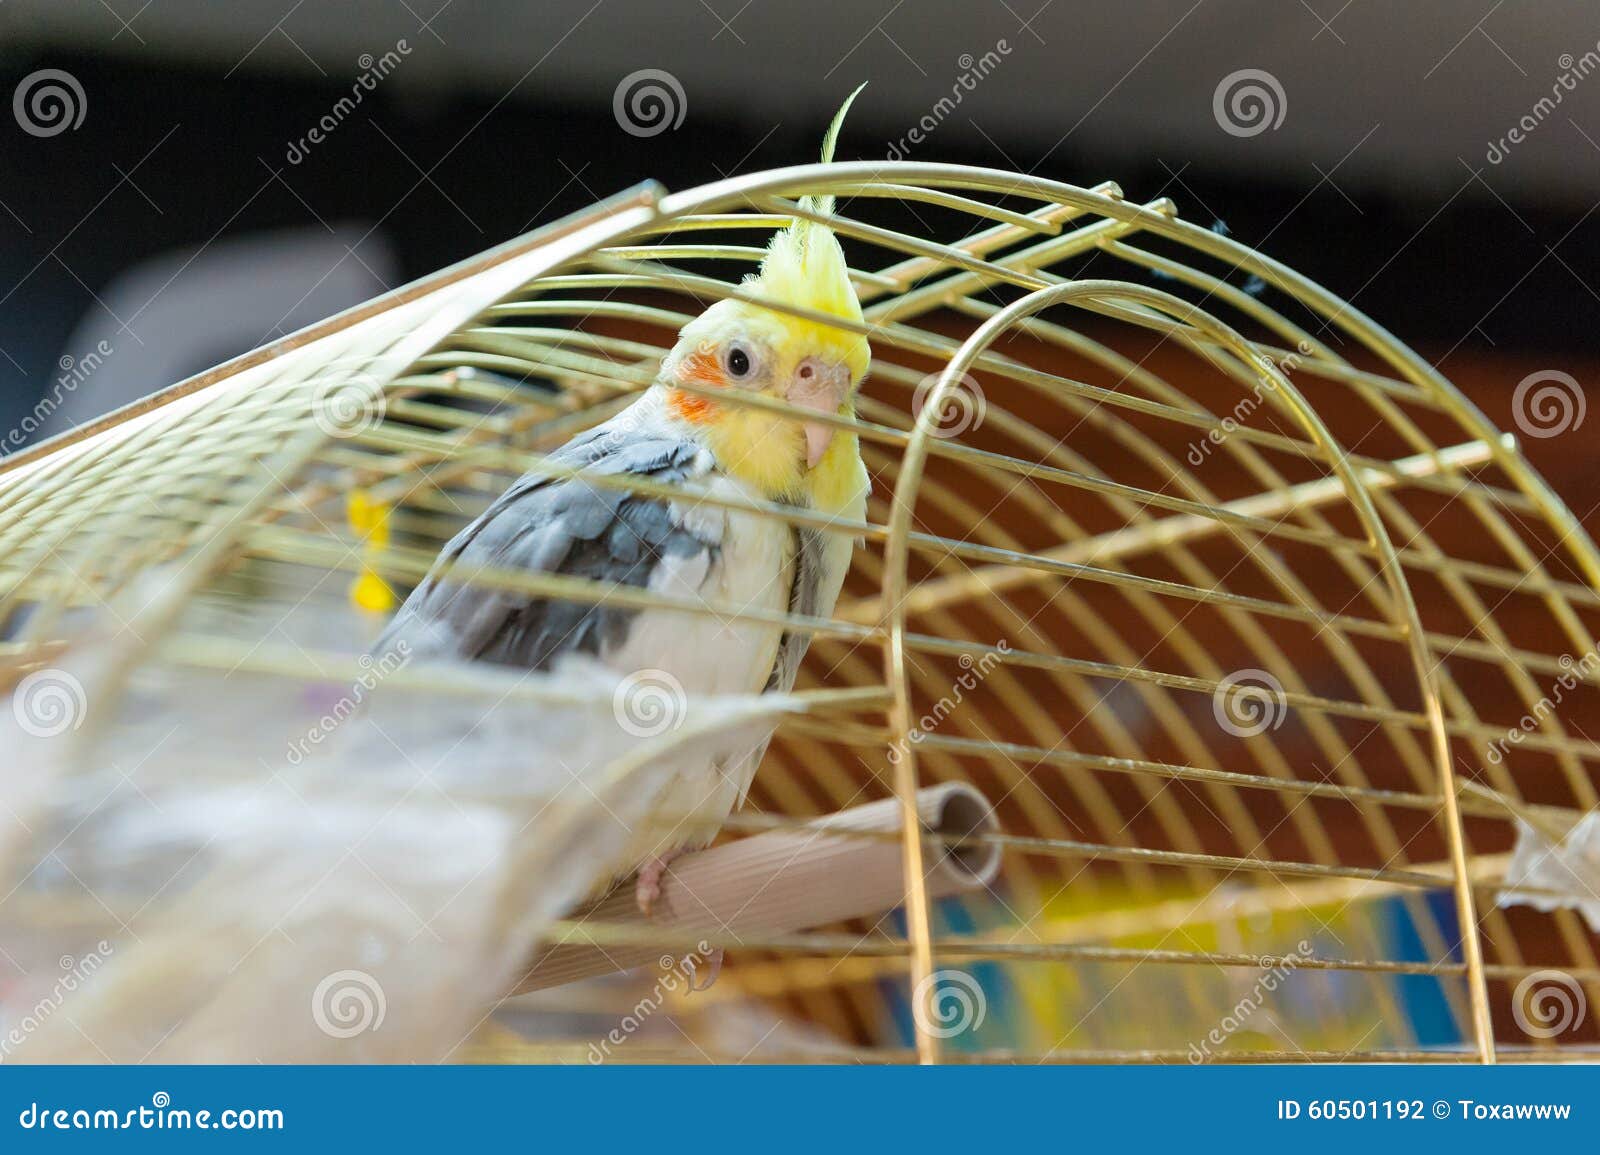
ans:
(1224, 598)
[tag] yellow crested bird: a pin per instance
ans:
(283, 872)
(685, 431)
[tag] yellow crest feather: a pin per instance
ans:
(805, 267)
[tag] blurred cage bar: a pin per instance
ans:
(1221, 594)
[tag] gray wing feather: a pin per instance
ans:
(803, 598)
(567, 527)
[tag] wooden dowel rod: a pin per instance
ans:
(786, 880)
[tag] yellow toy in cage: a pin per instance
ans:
(1184, 619)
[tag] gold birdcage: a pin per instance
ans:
(1227, 603)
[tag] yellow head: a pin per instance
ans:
(809, 363)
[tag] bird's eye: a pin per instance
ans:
(738, 361)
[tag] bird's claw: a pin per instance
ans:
(646, 892)
(647, 886)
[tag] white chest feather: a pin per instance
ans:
(711, 651)
(716, 651)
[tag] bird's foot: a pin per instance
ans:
(647, 887)
(713, 969)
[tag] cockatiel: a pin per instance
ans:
(234, 900)
(678, 437)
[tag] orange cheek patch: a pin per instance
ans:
(701, 368)
(698, 368)
(691, 406)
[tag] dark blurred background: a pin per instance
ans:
(1438, 162)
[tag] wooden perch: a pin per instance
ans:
(786, 880)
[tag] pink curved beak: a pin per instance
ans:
(821, 388)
